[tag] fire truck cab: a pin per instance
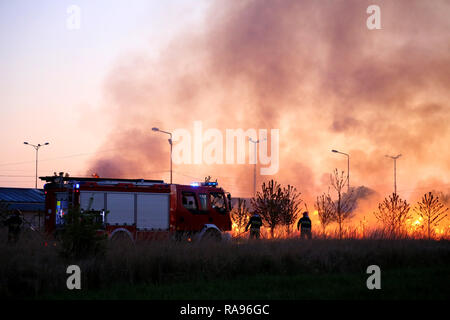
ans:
(141, 209)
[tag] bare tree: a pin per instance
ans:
(267, 204)
(277, 205)
(393, 213)
(240, 215)
(324, 207)
(444, 198)
(345, 202)
(290, 203)
(431, 210)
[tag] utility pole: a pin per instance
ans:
(170, 142)
(254, 167)
(395, 170)
(36, 147)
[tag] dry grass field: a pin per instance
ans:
(279, 269)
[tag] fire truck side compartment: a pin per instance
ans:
(94, 200)
(152, 209)
(121, 208)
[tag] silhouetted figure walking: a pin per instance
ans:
(255, 224)
(304, 225)
(14, 222)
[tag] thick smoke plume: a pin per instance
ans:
(310, 68)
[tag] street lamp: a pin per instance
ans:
(395, 170)
(254, 167)
(170, 142)
(36, 147)
(348, 167)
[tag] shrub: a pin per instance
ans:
(80, 237)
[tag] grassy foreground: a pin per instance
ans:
(267, 269)
(408, 284)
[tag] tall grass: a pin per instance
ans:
(348, 232)
(30, 269)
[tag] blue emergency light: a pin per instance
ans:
(204, 184)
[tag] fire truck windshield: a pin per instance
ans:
(203, 201)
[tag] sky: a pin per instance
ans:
(311, 69)
(52, 79)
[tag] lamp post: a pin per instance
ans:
(170, 142)
(348, 167)
(254, 167)
(395, 170)
(36, 147)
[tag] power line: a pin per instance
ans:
(15, 176)
(76, 155)
(18, 181)
(62, 157)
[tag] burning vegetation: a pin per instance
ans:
(280, 208)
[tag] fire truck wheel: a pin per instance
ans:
(121, 238)
(212, 235)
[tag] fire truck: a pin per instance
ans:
(138, 209)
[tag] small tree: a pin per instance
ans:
(431, 210)
(325, 211)
(277, 205)
(240, 215)
(267, 204)
(289, 207)
(393, 213)
(80, 237)
(345, 202)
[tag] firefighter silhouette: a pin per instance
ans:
(14, 222)
(304, 224)
(255, 224)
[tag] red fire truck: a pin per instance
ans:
(141, 209)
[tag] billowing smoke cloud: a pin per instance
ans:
(310, 68)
